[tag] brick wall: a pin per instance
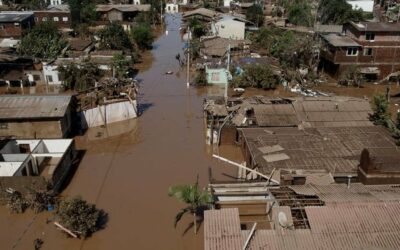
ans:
(60, 18)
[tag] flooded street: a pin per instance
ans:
(127, 167)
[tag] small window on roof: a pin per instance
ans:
(369, 36)
(352, 51)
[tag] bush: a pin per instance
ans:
(257, 76)
(201, 78)
(255, 14)
(381, 110)
(143, 36)
(79, 216)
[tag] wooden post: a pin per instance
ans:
(65, 230)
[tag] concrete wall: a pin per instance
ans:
(109, 113)
(230, 29)
(33, 129)
(217, 76)
(50, 71)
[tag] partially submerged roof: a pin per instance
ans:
(18, 107)
(123, 7)
(218, 46)
(340, 41)
(201, 12)
(377, 26)
(14, 16)
(333, 150)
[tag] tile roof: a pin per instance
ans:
(15, 107)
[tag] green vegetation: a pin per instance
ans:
(79, 77)
(197, 201)
(255, 14)
(338, 12)
(142, 36)
(35, 4)
(299, 13)
(257, 76)
(201, 78)
(198, 28)
(43, 41)
(292, 50)
(83, 11)
(381, 113)
(120, 64)
(155, 10)
(351, 76)
(114, 37)
(79, 216)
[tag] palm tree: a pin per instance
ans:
(196, 199)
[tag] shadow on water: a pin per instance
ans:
(143, 107)
(74, 167)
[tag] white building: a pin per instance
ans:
(365, 5)
(51, 74)
(136, 2)
(50, 159)
(227, 3)
(229, 27)
(171, 8)
(55, 2)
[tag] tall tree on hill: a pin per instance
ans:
(255, 14)
(299, 13)
(114, 37)
(338, 12)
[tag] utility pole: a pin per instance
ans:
(229, 59)
(161, 18)
(188, 60)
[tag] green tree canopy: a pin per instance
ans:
(381, 113)
(84, 11)
(299, 13)
(195, 198)
(79, 216)
(142, 36)
(42, 41)
(198, 28)
(120, 64)
(255, 14)
(114, 37)
(338, 12)
(257, 76)
(79, 76)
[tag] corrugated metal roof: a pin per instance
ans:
(336, 150)
(344, 226)
(14, 16)
(222, 230)
(340, 193)
(123, 7)
(33, 106)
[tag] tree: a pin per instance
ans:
(16, 202)
(257, 76)
(113, 37)
(201, 78)
(351, 75)
(35, 4)
(381, 110)
(142, 36)
(43, 41)
(338, 12)
(120, 64)
(79, 76)
(255, 14)
(79, 216)
(196, 200)
(84, 11)
(299, 13)
(198, 28)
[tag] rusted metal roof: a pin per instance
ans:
(14, 107)
(335, 150)
(222, 230)
(357, 192)
(342, 226)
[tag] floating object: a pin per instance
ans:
(169, 72)
(241, 90)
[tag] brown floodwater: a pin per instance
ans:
(127, 167)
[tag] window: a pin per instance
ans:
(55, 19)
(368, 52)
(65, 19)
(3, 125)
(44, 19)
(352, 51)
(49, 78)
(369, 36)
(214, 76)
(16, 24)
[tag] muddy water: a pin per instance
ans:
(127, 167)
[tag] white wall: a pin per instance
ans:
(12, 147)
(230, 29)
(171, 8)
(365, 5)
(51, 71)
(227, 3)
(136, 2)
(56, 146)
(114, 112)
(9, 168)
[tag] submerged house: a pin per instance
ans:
(37, 162)
(36, 116)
